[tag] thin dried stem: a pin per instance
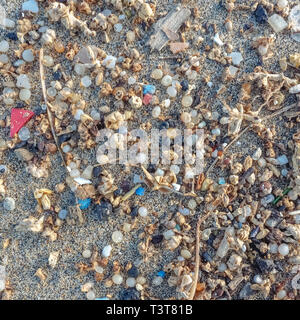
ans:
(50, 116)
(275, 114)
(197, 262)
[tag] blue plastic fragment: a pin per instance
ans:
(161, 273)
(222, 181)
(140, 191)
(104, 298)
(178, 227)
(149, 88)
(84, 204)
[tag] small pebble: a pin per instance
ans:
(273, 248)
(118, 27)
(117, 279)
(24, 134)
(281, 294)
(187, 101)
(216, 132)
(131, 282)
(257, 279)
(117, 236)
(48, 61)
(87, 254)
(99, 269)
(143, 212)
(62, 214)
(157, 74)
(91, 295)
(106, 251)
(4, 46)
(131, 80)
(27, 55)
(109, 62)
(12, 36)
(166, 81)
(24, 94)
(156, 112)
(172, 92)
(260, 14)
(9, 204)
(4, 58)
(157, 239)
(86, 81)
(186, 254)
(78, 114)
(283, 249)
(157, 281)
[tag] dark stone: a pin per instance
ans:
(157, 239)
(65, 137)
(57, 75)
(179, 180)
(172, 123)
(246, 174)
(164, 125)
(20, 105)
(103, 210)
(206, 257)
(12, 36)
(133, 272)
(264, 265)
(134, 212)
(281, 208)
(125, 185)
(246, 27)
(38, 111)
(32, 148)
(2, 170)
(254, 232)
(211, 239)
(260, 14)
(246, 291)
(151, 168)
(184, 85)
(129, 294)
(118, 192)
(22, 144)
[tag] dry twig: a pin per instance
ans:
(197, 262)
(50, 116)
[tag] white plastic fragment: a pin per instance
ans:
(23, 81)
(294, 21)
(106, 251)
(277, 23)
(82, 181)
(295, 89)
(109, 62)
(236, 57)
(217, 40)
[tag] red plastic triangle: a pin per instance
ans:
(19, 117)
